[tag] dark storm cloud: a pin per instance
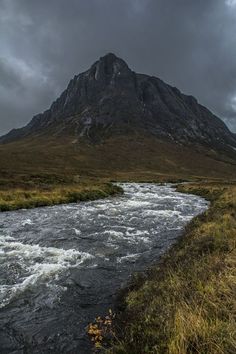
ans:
(190, 44)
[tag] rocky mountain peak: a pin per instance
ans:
(108, 66)
(108, 72)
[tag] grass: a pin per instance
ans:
(18, 198)
(187, 302)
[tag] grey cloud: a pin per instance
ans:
(188, 43)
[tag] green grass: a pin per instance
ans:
(187, 302)
(18, 198)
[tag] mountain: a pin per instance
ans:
(110, 102)
(111, 98)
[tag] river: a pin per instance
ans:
(62, 266)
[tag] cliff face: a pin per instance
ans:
(111, 99)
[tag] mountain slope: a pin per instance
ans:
(111, 115)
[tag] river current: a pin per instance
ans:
(62, 266)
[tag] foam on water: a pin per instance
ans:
(128, 258)
(27, 222)
(77, 232)
(34, 264)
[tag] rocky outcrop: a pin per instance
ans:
(110, 98)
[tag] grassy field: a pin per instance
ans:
(187, 302)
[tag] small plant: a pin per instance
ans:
(101, 331)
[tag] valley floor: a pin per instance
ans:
(187, 302)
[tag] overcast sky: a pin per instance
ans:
(190, 44)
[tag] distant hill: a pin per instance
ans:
(110, 118)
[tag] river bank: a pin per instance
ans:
(22, 198)
(186, 303)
